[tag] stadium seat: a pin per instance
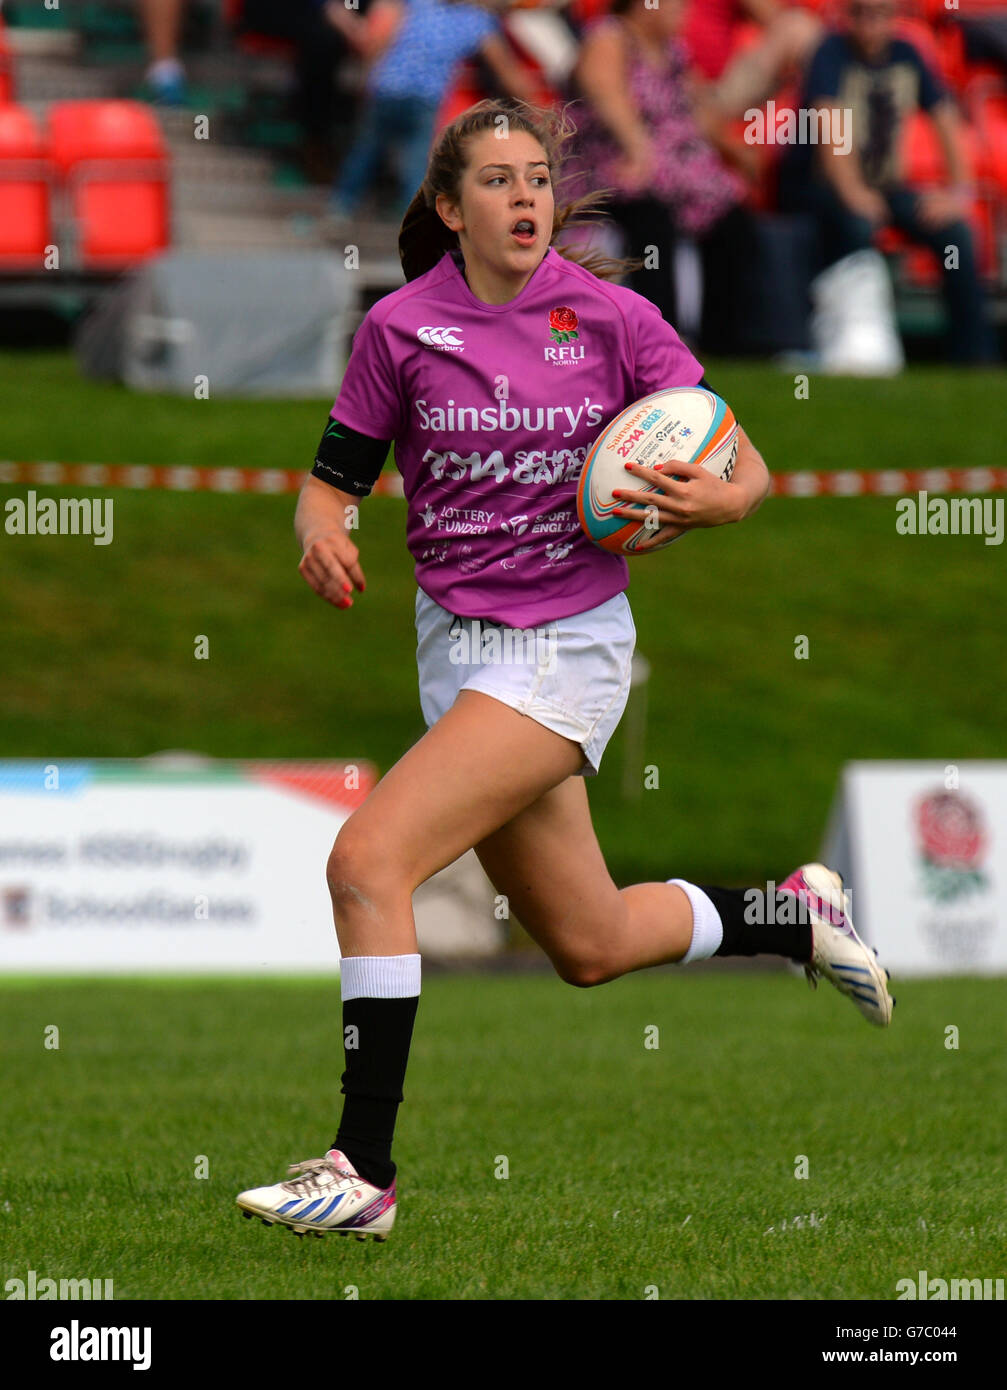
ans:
(112, 157)
(25, 225)
(922, 153)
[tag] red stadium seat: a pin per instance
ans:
(114, 161)
(25, 225)
(922, 154)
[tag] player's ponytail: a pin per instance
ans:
(424, 236)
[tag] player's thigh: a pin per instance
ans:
(549, 865)
(473, 771)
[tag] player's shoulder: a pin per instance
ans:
(385, 310)
(624, 303)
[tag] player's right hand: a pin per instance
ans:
(331, 565)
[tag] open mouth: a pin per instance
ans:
(523, 231)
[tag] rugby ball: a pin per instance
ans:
(688, 423)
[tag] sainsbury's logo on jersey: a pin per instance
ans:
(465, 419)
(443, 339)
(563, 329)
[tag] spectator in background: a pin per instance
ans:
(325, 35)
(879, 79)
(164, 80)
(790, 36)
(637, 132)
(405, 88)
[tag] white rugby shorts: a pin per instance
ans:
(572, 675)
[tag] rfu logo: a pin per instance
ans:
(565, 355)
(444, 339)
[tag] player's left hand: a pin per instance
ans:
(679, 506)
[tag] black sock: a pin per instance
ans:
(758, 923)
(372, 1082)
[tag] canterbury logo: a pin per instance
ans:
(440, 337)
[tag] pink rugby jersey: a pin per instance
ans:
(492, 408)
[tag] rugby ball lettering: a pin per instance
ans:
(687, 423)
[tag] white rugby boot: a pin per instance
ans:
(330, 1196)
(838, 953)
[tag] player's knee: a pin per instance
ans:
(357, 872)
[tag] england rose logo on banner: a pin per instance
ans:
(563, 324)
(952, 840)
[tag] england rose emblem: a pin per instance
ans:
(562, 324)
(952, 840)
(950, 830)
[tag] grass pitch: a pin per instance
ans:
(904, 633)
(629, 1167)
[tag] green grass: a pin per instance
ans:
(628, 1167)
(905, 633)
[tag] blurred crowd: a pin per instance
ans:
(663, 94)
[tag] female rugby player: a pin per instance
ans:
(493, 369)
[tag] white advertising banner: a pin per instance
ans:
(117, 866)
(923, 848)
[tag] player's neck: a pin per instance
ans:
(491, 287)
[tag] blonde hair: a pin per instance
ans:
(423, 235)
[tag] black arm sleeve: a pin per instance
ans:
(349, 460)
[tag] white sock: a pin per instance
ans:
(379, 977)
(707, 928)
